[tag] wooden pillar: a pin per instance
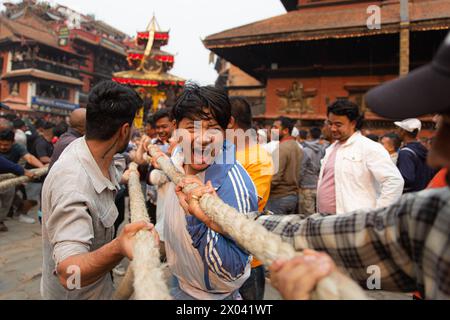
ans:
(404, 37)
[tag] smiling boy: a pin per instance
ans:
(206, 263)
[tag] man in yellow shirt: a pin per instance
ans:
(258, 163)
(260, 170)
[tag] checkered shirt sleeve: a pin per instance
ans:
(409, 242)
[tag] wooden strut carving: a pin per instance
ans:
(144, 273)
(10, 181)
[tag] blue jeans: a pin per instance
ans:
(253, 288)
(285, 205)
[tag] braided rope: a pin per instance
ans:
(13, 181)
(7, 176)
(148, 276)
(264, 245)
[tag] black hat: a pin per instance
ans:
(425, 90)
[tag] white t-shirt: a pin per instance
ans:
(185, 261)
(160, 180)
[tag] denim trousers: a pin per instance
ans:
(253, 288)
(285, 205)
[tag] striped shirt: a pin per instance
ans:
(207, 264)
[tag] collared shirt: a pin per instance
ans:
(365, 176)
(408, 241)
(66, 139)
(78, 217)
(209, 265)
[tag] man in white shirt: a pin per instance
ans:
(357, 173)
(20, 129)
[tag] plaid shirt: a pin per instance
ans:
(409, 242)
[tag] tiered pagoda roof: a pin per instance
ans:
(331, 22)
(150, 64)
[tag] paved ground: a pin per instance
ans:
(21, 259)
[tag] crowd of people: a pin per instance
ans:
(358, 198)
(26, 142)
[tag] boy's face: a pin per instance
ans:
(164, 128)
(202, 140)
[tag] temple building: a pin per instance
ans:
(323, 50)
(149, 74)
(51, 56)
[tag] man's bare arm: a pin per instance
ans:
(45, 160)
(33, 161)
(96, 264)
(92, 265)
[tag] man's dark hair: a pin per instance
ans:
(163, 113)
(241, 111)
(373, 137)
(7, 135)
(39, 123)
(47, 125)
(60, 129)
(110, 106)
(315, 133)
(192, 101)
(18, 123)
(396, 141)
(287, 123)
(348, 109)
(413, 134)
(303, 134)
(150, 121)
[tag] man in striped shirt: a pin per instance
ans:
(206, 264)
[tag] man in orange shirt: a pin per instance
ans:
(258, 163)
(440, 179)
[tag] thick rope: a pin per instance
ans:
(125, 289)
(148, 277)
(16, 181)
(7, 176)
(264, 245)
